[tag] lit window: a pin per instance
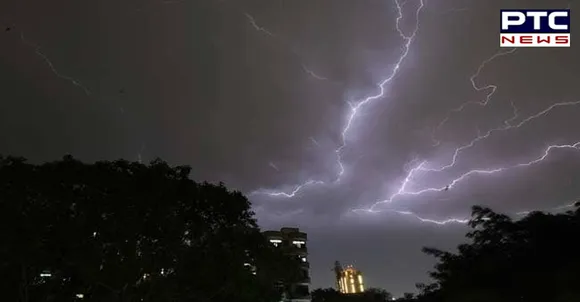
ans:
(80, 296)
(276, 242)
(298, 243)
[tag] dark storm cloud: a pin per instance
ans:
(194, 82)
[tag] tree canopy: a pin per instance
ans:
(369, 295)
(536, 258)
(125, 231)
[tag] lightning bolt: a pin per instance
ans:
(489, 89)
(273, 166)
(264, 30)
(257, 27)
(290, 194)
(426, 220)
(403, 192)
(315, 142)
(492, 89)
(355, 107)
(48, 62)
(466, 220)
(507, 126)
(559, 208)
(313, 74)
(74, 81)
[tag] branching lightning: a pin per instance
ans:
(424, 166)
(439, 222)
(507, 126)
(403, 192)
(264, 30)
(490, 87)
(466, 220)
(290, 194)
(355, 107)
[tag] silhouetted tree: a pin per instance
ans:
(326, 295)
(535, 258)
(123, 231)
(407, 297)
(376, 295)
(369, 295)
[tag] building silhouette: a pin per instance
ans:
(349, 280)
(293, 242)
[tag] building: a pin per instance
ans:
(293, 243)
(349, 280)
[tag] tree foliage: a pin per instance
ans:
(536, 258)
(124, 231)
(369, 295)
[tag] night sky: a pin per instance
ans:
(269, 95)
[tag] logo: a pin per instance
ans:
(535, 28)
